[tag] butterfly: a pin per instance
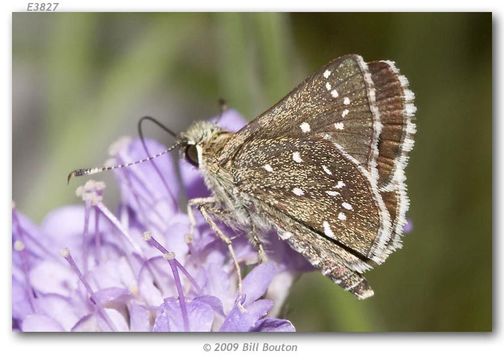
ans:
(324, 167)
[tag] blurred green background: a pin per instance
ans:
(80, 81)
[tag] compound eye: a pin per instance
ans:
(191, 154)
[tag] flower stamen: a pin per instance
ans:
(97, 237)
(170, 256)
(98, 307)
(20, 247)
(85, 242)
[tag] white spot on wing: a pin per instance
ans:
(298, 191)
(334, 93)
(346, 100)
(342, 216)
(347, 206)
(327, 230)
(305, 127)
(296, 157)
(327, 73)
(344, 113)
(326, 170)
(340, 184)
(332, 193)
(339, 126)
(328, 86)
(268, 168)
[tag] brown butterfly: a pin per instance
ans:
(324, 167)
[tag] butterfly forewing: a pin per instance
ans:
(336, 102)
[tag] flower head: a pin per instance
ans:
(87, 268)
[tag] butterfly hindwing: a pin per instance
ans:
(315, 184)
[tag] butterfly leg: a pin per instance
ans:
(207, 208)
(257, 243)
(196, 202)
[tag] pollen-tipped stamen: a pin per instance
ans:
(170, 257)
(101, 311)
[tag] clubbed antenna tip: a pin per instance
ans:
(72, 174)
(82, 172)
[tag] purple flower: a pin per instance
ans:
(408, 227)
(87, 268)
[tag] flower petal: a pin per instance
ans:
(117, 319)
(214, 303)
(60, 309)
(112, 297)
(259, 309)
(40, 323)
(257, 281)
(20, 304)
(87, 323)
(274, 325)
(64, 228)
(200, 315)
(175, 235)
(243, 321)
(51, 277)
(192, 179)
(94, 322)
(113, 273)
(34, 240)
(279, 289)
(150, 293)
(217, 282)
(231, 120)
(139, 318)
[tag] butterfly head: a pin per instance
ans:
(195, 138)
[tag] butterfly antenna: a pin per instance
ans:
(157, 122)
(223, 106)
(96, 170)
